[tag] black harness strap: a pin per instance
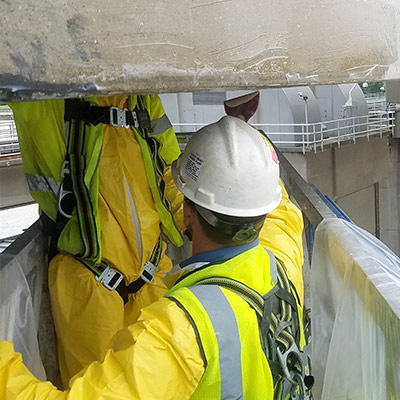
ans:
(279, 328)
(112, 279)
(77, 114)
(81, 110)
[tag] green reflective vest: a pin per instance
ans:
(227, 328)
(43, 144)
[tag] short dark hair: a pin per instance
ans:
(218, 235)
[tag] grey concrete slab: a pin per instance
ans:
(13, 187)
(360, 207)
(60, 48)
(361, 165)
(389, 211)
(392, 240)
(320, 171)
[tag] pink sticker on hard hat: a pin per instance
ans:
(271, 150)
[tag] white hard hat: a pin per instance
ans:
(228, 167)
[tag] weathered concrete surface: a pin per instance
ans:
(13, 187)
(363, 179)
(58, 48)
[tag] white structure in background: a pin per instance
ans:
(284, 113)
(342, 106)
(340, 101)
(296, 117)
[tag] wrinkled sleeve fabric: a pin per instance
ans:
(162, 129)
(176, 199)
(156, 358)
(282, 234)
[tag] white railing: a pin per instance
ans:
(315, 136)
(8, 134)
(298, 137)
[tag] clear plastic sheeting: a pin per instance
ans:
(355, 300)
(22, 267)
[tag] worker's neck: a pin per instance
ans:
(202, 244)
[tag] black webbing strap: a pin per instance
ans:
(82, 110)
(76, 167)
(114, 279)
(74, 193)
(78, 113)
(159, 163)
(277, 318)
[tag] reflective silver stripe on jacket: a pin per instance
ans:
(160, 125)
(226, 331)
(39, 183)
(272, 267)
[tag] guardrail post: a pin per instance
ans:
(315, 139)
(338, 133)
(302, 138)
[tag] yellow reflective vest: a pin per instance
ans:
(227, 327)
(174, 350)
(42, 137)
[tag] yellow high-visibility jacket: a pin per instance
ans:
(86, 314)
(43, 144)
(158, 357)
(172, 352)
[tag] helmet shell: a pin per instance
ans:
(230, 168)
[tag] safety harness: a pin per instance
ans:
(279, 328)
(112, 279)
(75, 193)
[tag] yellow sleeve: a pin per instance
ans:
(163, 129)
(175, 197)
(156, 358)
(170, 152)
(282, 234)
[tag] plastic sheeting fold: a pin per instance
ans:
(355, 301)
(21, 278)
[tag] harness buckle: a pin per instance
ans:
(283, 360)
(118, 117)
(294, 377)
(135, 119)
(110, 278)
(62, 194)
(149, 270)
(65, 170)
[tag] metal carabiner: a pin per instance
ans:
(61, 195)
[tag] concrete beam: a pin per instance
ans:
(393, 92)
(310, 203)
(65, 49)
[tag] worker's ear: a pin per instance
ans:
(189, 213)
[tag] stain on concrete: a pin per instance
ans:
(39, 62)
(76, 30)
(21, 63)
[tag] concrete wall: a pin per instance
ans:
(13, 186)
(363, 179)
(69, 48)
(389, 200)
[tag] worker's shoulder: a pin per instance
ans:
(166, 311)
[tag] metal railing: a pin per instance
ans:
(8, 134)
(295, 137)
(316, 136)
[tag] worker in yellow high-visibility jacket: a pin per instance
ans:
(125, 211)
(210, 336)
